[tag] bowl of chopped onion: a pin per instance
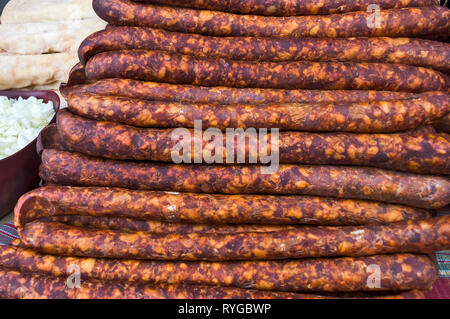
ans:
(23, 114)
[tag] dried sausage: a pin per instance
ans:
(341, 275)
(74, 169)
(418, 153)
(417, 237)
(18, 285)
(421, 153)
(77, 75)
(416, 52)
(210, 209)
(49, 138)
(183, 69)
(224, 95)
(443, 124)
(205, 208)
(424, 236)
(361, 117)
(291, 7)
(407, 22)
(23, 285)
(130, 225)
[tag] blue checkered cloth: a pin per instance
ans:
(7, 233)
(443, 258)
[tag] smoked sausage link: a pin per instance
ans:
(432, 54)
(341, 275)
(418, 153)
(407, 22)
(67, 168)
(22, 285)
(50, 138)
(210, 209)
(443, 124)
(291, 7)
(132, 225)
(360, 117)
(182, 69)
(224, 95)
(424, 236)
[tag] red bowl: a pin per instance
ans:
(19, 172)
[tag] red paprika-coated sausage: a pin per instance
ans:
(74, 169)
(418, 153)
(407, 22)
(424, 236)
(432, 54)
(361, 117)
(54, 201)
(291, 7)
(443, 124)
(23, 285)
(225, 95)
(182, 69)
(397, 272)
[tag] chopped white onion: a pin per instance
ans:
(21, 121)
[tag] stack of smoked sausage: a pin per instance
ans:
(361, 101)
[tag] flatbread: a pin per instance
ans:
(51, 37)
(37, 27)
(23, 11)
(51, 86)
(21, 71)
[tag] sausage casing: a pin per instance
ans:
(361, 117)
(424, 236)
(291, 7)
(74, 169)
(418, 153)
(342, 275)
(22, 285)
(432, 54)
(407, 22)
(18, 285)
(210, 209)
(224, 95)
(443, 124)
(182, 69)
